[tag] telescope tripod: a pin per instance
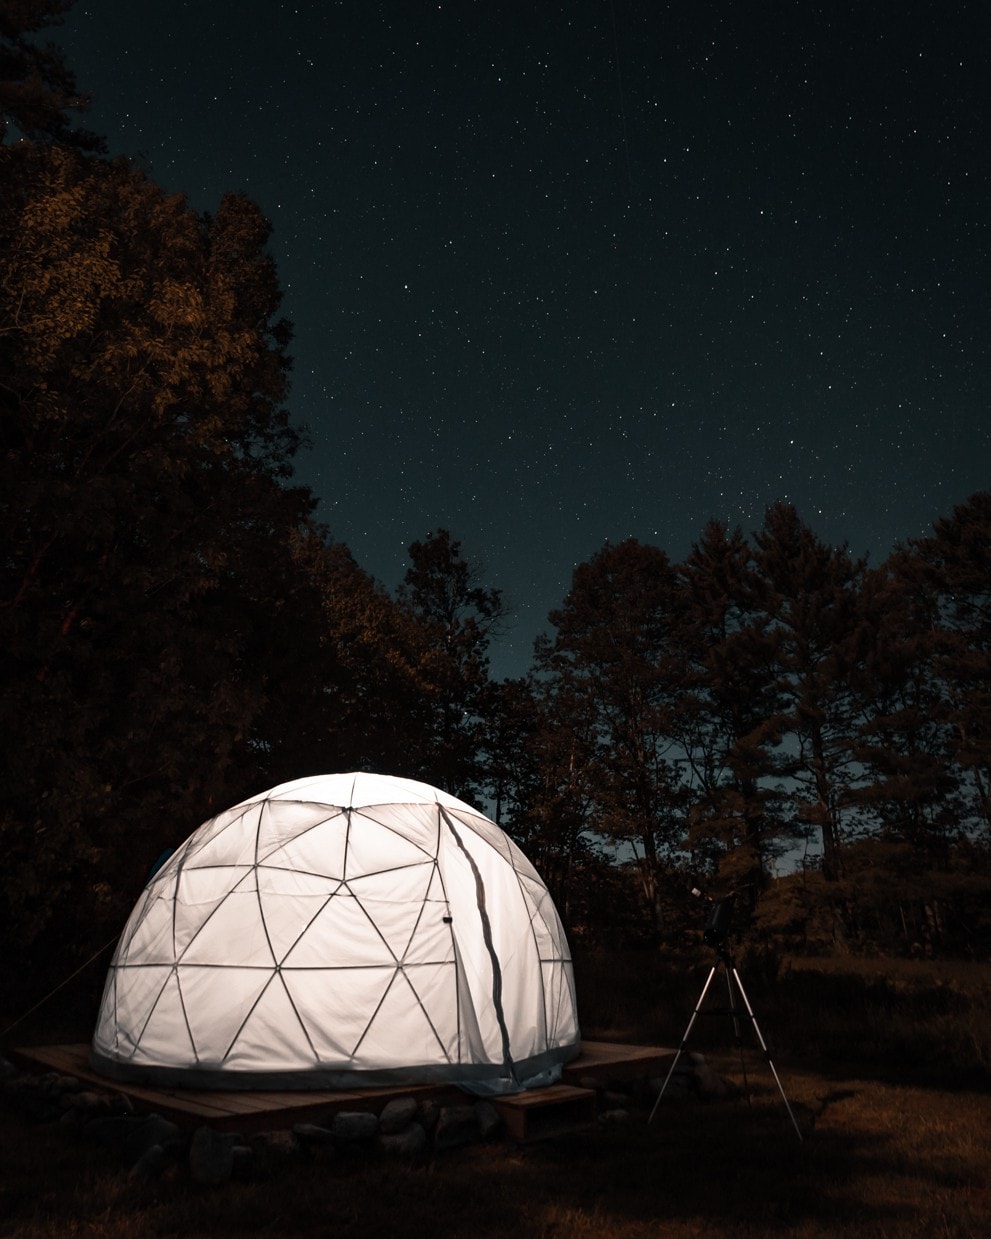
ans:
(734, 987)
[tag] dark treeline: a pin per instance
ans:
(768, 707)
(176, 631)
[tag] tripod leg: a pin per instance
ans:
(684, 1041)
(735, 1015)
(733, 1010)
(767, 1055)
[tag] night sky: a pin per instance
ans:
(569, 272)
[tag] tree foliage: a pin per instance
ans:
(37, 89)
(453, 618)
(809, 596)
(613, 673)
(730, 716)
(911, 789)
(764, 694)
(143, 509)
(175, 631)
(949, 577)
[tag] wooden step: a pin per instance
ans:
(607, 1061)
(544, 1112)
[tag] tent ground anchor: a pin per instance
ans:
(734, 986)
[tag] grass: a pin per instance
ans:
(905, 1021)
(896, 1143)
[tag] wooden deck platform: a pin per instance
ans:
(543, 1112)
(603, 1061)
(265, 1111)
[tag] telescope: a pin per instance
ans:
(720, 919)
(717, 927)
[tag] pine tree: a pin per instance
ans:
(729, 719)
(37, 89)
(949, 577)
(455, 618)
(544, 757)
(610, 675)
(809, 594)
(904, 741)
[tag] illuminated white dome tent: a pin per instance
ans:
(337, 931)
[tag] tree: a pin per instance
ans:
(349, 690)
(455, 618)
(949, 578)
(611, 676)
(37, 90)
(729, 716)
(904, 741)
(144, 512)
(809, 593)
(541, 774)
(512, 734)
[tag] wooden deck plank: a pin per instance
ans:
(248, 1110)
(536, 1098)
(608, 1060)
(226, 1109)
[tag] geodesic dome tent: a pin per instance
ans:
(337, 931)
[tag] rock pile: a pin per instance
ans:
(150, 1146)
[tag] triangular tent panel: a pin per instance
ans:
(338, 931)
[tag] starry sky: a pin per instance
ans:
(564, 273)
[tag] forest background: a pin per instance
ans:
(768, 717)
